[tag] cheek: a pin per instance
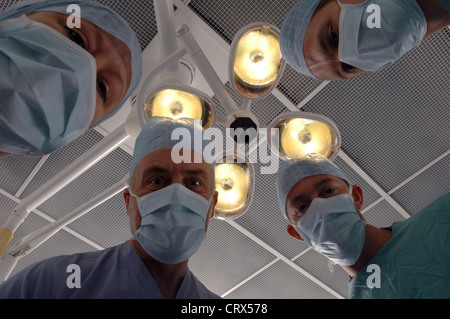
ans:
(134, 216)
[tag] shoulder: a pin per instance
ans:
(436, 213)
(40, 279)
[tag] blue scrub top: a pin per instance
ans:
(415, 263)
(115, 272)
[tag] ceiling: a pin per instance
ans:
(395, 144)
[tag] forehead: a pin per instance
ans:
(161, 160)
(313, 183)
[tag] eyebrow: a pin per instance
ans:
(160, 169)
(152, 170)
(301, 197)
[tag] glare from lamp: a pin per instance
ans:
(299, 137)
(175, 104)
(257, 61)
(233, 186)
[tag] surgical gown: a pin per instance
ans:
(115, 272)
(415, 262)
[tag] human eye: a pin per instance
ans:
(155, 182)
(348, 68)
(102, 89)
(333, 35)
(75, 37)
(194, 182)
(328, 191)
(301, 209)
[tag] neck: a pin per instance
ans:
(168, 277)
(375, 239)
(436, 15)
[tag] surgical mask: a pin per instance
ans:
(173, 223)
(402, 27)
(47, 88)
(334, 229)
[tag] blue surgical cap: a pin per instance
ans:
(292, 35)
(294, 170)
(98, 14)
(157, 135)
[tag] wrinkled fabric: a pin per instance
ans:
(333, 228)
(173, 223)
(292, 35)
(47, 88)
(163, 133)
(415, 263)
(294, 170)
(402, 26)
(112, 273)
(98, 14)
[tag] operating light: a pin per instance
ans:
(256, 62)
(301, 133)
(233, 184)
(178, 103)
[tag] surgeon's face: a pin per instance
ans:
(320, 46)
(112, 56)
(318, 186)
(157, 170)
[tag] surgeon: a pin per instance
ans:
(338, 39)
(59, 78)
(411, 258)
(169, 205)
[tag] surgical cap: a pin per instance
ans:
(294, 170)
(292, 35)
(98, 14)
(157, 135)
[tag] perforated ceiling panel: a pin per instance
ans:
(395, 145)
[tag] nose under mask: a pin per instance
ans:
(47, 88)
(173, 223)
(362, 44)
(334, 229)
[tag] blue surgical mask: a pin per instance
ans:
(47, 88)
(173, 223)
(402, 27)
(334, 229)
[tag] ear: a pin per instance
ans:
(126, 197)
(291, 231)
(358, 197)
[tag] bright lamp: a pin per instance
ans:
(178, 101)
(301, 133)
(234, 184)
(255, 62)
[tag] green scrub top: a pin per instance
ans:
(415, 262)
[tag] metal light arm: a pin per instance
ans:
(207, 70)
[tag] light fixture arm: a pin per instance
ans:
(33, 240)
(57, 182)
(207, 70)
(164, 16)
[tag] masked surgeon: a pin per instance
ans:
(323, 208)
(338, 39)
(169, 205)
(57, 80)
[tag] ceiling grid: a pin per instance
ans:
(394, 126)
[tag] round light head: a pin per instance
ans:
(296, 134)
(255, 63)
(234, 184)
(176, 101)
